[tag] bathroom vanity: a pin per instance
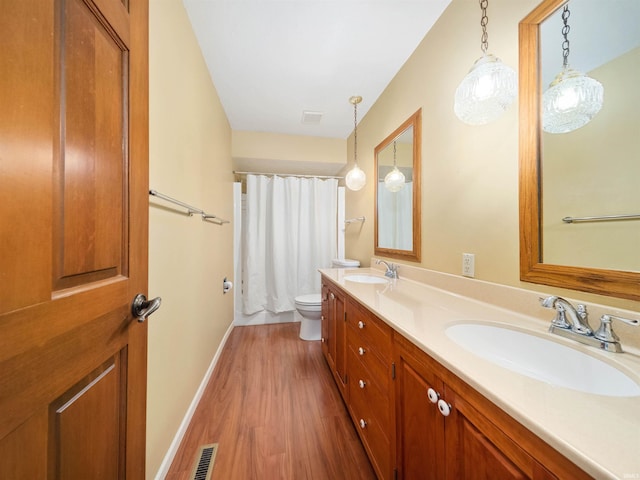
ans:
(425, 408)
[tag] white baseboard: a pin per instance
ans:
(175, 444)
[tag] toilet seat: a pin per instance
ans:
(309, 300)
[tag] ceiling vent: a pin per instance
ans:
(312, 118)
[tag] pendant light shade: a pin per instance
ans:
(571, 101)
(355, 178)
(485, 92)
(489, 87)
(394, 180)
(573, 98)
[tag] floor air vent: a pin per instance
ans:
(204, 462)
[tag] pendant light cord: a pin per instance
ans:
(355, 133)
(483, 23)
(394, 154)
(565, 33)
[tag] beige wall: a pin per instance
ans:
(469, 174)
(190, 159)
(280, 153)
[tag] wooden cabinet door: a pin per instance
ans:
(334, 333)
(324, 325)
(471, 451)
(419, 425)
(340, 340)
(73, 238)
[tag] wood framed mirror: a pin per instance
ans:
(397, 214)
(542, 178)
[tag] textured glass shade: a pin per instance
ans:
(394, 180)
(355, 178)
(485, 92)
(571, 101)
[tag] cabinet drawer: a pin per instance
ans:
(370, 399)
(374, 439)
(362, 351)
(375, 331)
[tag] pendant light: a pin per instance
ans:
(573, 98)
(394, 180)
(489, 87)
(355, 178)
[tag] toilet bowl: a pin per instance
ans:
(309, 307)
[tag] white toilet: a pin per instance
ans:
(309, 307)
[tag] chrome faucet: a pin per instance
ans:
(573, 323)
(392, 269)
(577, 317)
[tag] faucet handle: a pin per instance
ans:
(605, 331)
(560, 320)
(550, 301)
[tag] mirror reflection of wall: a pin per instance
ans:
(595, 170)
(395, 219)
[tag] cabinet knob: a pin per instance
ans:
(363, 424)
(332, 296)
(444, 407)
(360, 324)
(433, 395)
(361, 350)
(361, 383)
(322, 339)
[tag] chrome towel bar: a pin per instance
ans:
(190, 210)
(601, 218)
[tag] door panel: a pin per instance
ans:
(86, 426)
(73, 234)
(91, 192)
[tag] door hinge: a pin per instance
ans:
(393, 370)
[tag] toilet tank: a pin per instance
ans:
(345, 263)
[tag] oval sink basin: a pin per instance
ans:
(363, 278)
(543, 360)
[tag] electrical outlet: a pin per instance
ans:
(468, 264)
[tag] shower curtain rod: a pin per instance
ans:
(287, 175)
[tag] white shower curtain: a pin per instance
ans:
(291, 231)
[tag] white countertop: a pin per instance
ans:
(600, 434)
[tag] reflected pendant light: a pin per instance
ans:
(489, 87)
(573, 98)
(355, 178)
(394, 180)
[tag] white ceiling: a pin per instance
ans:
(271, 60)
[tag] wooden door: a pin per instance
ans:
(478, 449)
(340, 339)
(325, 325)
(420, 427)
(73, 238)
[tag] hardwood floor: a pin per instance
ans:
(275, 411)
